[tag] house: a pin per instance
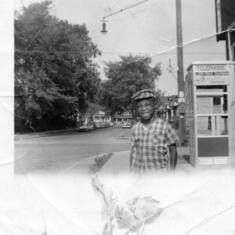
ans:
(124, 117)
(101, 119)
(167, 109)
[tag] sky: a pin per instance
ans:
(147, 29)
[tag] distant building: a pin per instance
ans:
(101, 119)
(124, 117)
(168, 108)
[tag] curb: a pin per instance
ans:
(99, 161)
(46, 133)
(42, 134)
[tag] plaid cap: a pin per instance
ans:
(144, 94)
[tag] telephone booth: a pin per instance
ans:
(210, 112)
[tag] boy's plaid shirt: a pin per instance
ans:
(149, 146)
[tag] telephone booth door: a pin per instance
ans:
(211, 123)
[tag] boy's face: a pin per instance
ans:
(145, 109)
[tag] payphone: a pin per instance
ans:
(210, 112)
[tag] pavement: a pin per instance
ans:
(119, 162)
(193, 201)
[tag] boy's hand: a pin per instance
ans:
(173, 156)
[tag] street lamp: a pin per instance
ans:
(104, 30)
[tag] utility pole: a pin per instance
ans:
(180, 69)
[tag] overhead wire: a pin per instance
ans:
(192, 41)
(169, 50)
(118, 1)
(136, 13)
(124, 9)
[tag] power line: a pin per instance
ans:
(191, 42)
(146, 53)
(124, 9)
(168, 51)
(137, 13)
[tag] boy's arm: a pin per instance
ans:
(133, 148)
(173, 156)
(172, 140)
(132, 153)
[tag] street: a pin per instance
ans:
(58, 152)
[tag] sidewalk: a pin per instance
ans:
(119, 162)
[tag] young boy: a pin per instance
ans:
(153, 141)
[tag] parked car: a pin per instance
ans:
(100, 124)
(87, 127)
(87, 124)
(126, 125)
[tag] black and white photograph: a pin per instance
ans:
(118, 117)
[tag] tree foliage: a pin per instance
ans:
(55, 76)
(125, 77)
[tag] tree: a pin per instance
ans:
(55, 76)
(125, 77)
